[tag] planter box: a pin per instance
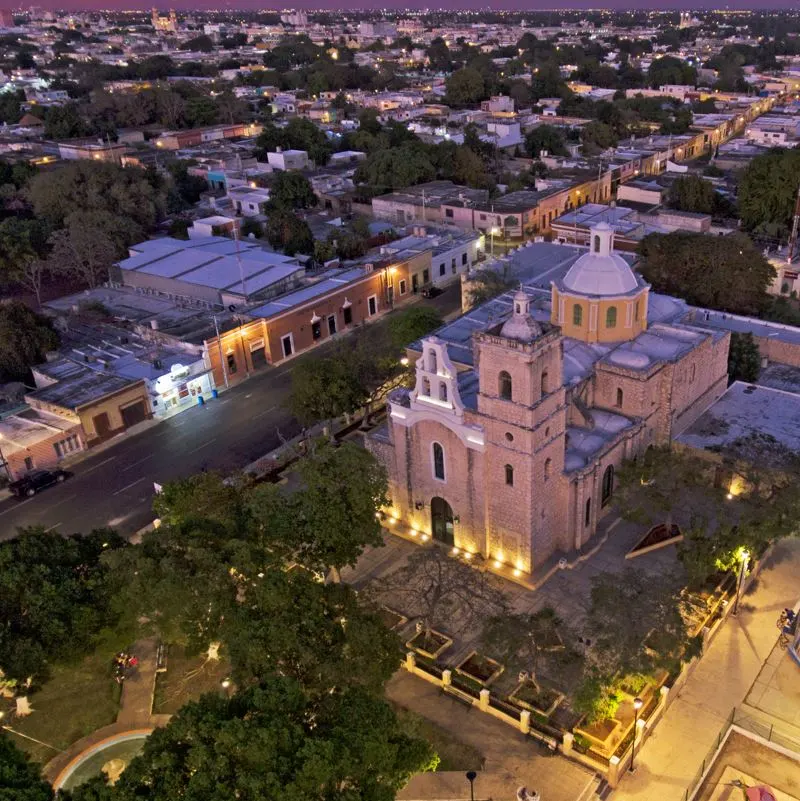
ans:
(391, 619)
(431, 644)
(603, 735)
(657, 537)
(529, 695)
(480, 668)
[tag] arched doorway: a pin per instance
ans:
(442, 520)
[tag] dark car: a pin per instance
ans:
(31, 484)
(431, 291)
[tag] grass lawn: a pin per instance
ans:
(78, 699)
(453, 754)
(186, 679)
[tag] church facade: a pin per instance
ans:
(512, 456)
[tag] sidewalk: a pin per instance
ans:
(511, 759)
(722, 679)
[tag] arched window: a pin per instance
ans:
(545, 382)
(432, 366)
(504, 385)
(577, 314)
(597, 244)
(587, 517)
(426, 385)
(611, 317)
(548, 466)
(619, 397)
(509, 475)
(693, 373)
(442, 391)
(438, 461)
(608, 485)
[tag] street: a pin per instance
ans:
(114, 487)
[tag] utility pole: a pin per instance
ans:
(221, 356)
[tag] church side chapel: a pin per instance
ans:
(512, 457)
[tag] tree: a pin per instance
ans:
(717, 272)
(318, 634)
(291, 190)
(270, 741)
(86, 253)
(409, 325)
(396, 168)
(636, 623)
(438, 55)
(54, 599)
(692, 193)
(441, 591)
(544, 137)
(597, 136)
(368, 121)
(289, 233)
(768, 192)
(25, 339)
(64, 122)
(20, 777)
(200, 44)
(485, 285)
(744, 358)
(97, 186)
(333, 518)
(23, 247)
(189, 187)
(465, 87)
(325, 388)
(670, 70)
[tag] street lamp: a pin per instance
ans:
(744, 558)
(471, 776)
(637, 705)
(493, 231)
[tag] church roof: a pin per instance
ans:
(601, 272)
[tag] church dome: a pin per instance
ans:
(600, 272)
(521, 325)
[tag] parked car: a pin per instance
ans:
(431, 291)
(29, 485)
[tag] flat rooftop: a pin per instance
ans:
(79, 386)
(216, 262)
(752, 422)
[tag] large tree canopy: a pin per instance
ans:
(25, 339)
(96, 186)
(718, 272)
(54, 599)
(768, 192)
(271, 742)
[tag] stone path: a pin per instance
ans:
(675, 752)
(135, 712)
(511, 759)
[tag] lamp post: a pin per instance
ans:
(744, 558)
(471, 776)
(637, 705)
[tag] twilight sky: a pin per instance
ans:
(421, 4)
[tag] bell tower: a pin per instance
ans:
(521, 405)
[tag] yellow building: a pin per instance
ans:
(600, 299)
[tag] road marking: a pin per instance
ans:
(130, 466)
(128, 486)
(266, 411)
(52, 527)
(249, 395)
(200, 447)
(63, 500)
(16, 506)
(99, 464)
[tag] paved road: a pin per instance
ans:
(114, 487)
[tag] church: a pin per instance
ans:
(506, 447)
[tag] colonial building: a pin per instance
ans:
(507, 450)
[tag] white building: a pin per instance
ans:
(288, 160)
